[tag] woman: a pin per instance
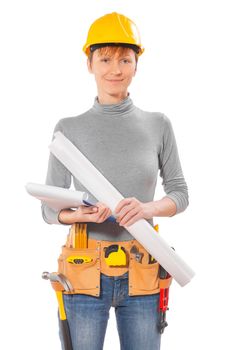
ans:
(129, 146)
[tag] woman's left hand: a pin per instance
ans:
(130, 210)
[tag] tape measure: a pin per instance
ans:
(115, 255)
(79, 259)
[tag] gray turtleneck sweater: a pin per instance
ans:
(128, 146)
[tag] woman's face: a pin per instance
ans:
(113, 72)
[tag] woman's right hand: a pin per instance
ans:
(97, 213)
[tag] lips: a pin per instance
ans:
(114, 80)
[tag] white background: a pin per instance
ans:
(186, 72)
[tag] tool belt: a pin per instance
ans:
(83, 265)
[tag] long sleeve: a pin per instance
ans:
(57, 175)
(173, 183)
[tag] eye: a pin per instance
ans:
(126, 60)
(105, 59)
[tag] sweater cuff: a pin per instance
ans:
(50, 215)
(180, 200)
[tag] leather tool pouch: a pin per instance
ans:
(85, 277)
(143, 277)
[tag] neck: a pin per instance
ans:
(107, 99)
(120, 109)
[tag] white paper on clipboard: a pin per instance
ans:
(58, 197)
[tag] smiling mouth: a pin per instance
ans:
(114, 80)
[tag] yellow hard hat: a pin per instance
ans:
(113, 28)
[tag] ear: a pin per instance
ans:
(89, 66)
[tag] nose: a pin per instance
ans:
(115, 68)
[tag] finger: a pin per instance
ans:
(121, 204)
(107, 214)
(132, 220)
(102, 207)
(102, 215)
(128, 216)
(124, 211)
(89, 210)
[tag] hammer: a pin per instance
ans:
(59, 277)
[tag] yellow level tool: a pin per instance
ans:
(79, 259)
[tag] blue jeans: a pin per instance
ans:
(136, 317)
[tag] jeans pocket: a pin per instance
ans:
(82, 268)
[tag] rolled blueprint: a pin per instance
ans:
(105, 192)
(61, 198)
(57, 197)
